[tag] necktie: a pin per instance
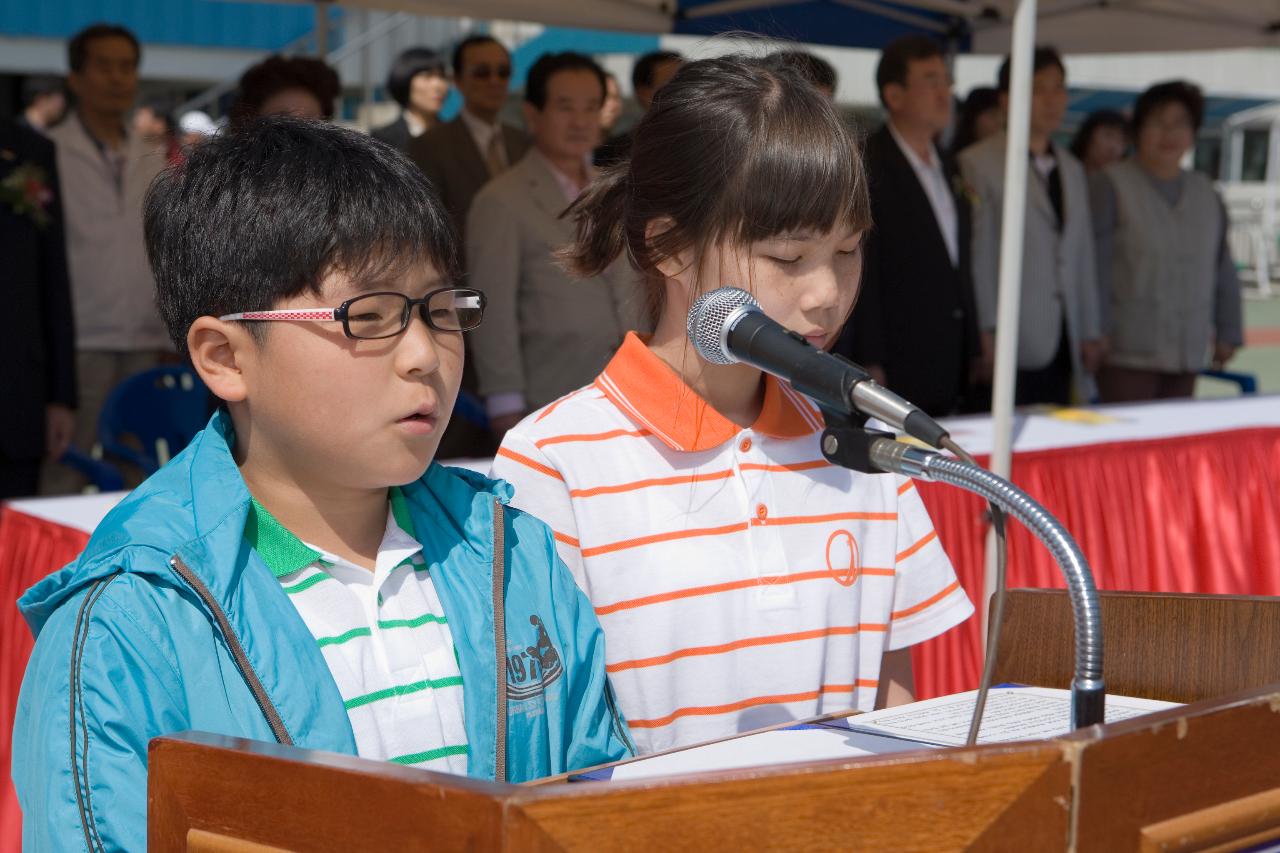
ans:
(1055, 192)
(493, 154)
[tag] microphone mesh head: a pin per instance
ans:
(708, 319)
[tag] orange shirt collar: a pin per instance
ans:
(653, 395)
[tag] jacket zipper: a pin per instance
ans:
(500, 641)
(237, 651)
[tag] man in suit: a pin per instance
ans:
(462, 155)
(1060, 342)
(37, 354)
(545, 333)
(914, 326)
(418, 81)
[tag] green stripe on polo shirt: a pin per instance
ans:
(342, 638)
(413, 623)
(302, 586)
(400, 510)
(431, 754)
(403, 690)
(283, 552)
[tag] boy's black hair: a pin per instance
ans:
(535, 86)
(459, 52)
(642, 72)
(262, 214)
(409, 64)
(813, 68)
(78, 47)
(1170, 92)
(895, 60)
(1045, 56)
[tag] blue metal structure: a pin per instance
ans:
(202, 23)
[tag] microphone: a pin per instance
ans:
(727, 326)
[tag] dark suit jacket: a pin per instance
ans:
(449, 158)
(915, 313)
(37, 349)
(395, 134)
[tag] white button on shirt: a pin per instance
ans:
(934, 183)
(384, 636)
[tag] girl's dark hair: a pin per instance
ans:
(733, 149)
(1093, 122)
(275, 74)
(261, 215)
(1170, 92)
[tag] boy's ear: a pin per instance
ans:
(219, 352)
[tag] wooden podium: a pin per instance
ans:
(1205, 776)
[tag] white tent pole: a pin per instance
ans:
(1010, 288)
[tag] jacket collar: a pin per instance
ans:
(654, 396)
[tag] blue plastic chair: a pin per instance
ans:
(103, 476)
(163, 408)
(1247, 381)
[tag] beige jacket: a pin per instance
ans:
(112, 291)
(545, 333)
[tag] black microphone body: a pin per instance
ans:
(727, 325)
(756, 340)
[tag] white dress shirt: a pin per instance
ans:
(934, 183)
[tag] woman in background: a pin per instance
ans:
(1169, 292)
(419, 82)
(287, 85)
(1102, 139)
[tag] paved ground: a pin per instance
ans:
(1260, 355)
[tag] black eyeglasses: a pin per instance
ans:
(373, 316)
(484, 72)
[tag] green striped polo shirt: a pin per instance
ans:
(383, 634)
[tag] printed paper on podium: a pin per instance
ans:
(1012, 713)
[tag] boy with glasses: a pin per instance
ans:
(302, 572)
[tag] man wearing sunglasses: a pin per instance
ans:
(458, 158)
(461, 156)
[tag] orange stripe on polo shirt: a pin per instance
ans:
(794, 466)
(590, 436)
(928, 602)
(712, 710)
(906, 487)
(566, 539)
(924, 540)
(656, 481)
(746, 643)
(728, 586)
(556, 404)
(530, 463)
(818, 519)
(663, 537)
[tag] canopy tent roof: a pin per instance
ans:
(982, 26)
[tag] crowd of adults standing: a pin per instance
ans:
(1128, 288)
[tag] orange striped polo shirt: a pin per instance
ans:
(741, 579)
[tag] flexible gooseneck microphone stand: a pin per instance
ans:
(846, 443)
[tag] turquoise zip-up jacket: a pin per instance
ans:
(169, 622)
